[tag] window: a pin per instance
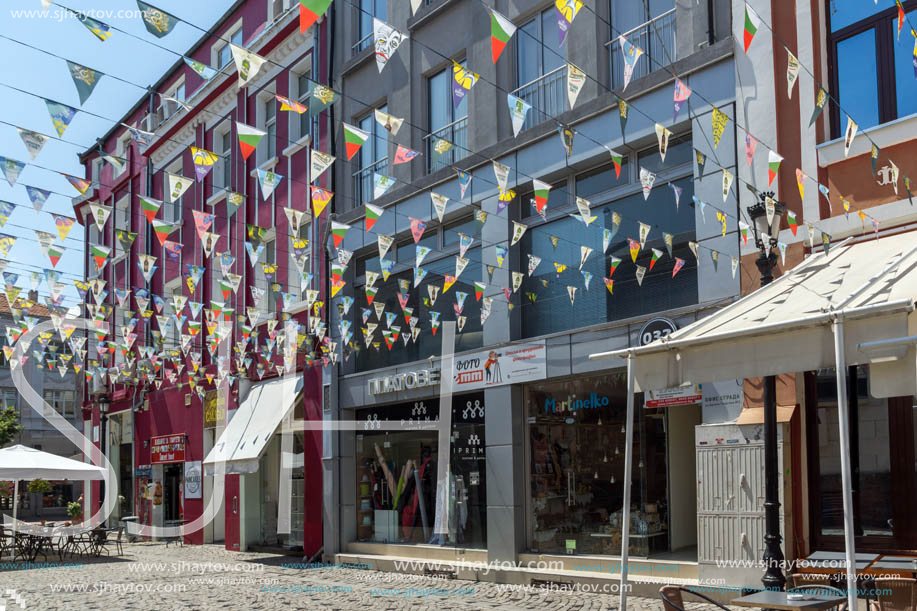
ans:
(270, 126)
(372, 158)
(367, 10)
(269, 301)
(545, 303)
(469, 338)
(222, 144)
(648, 25)
(169, 107)
(305, 120)
(121, 151)
(61, 401)
(171, 211)
(276, 9)
(122, 220)
(872, 70)
(223, 52)
(9, 397)
(446, 122)
(541, 73)
(294, 277)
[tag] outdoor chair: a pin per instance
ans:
(672, 598)
(118, 539)
(100, 541)
(6, 541)
(902, 596)
(821, 590)
(799, 580)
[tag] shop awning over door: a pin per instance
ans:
(785, 327)
(246, 436)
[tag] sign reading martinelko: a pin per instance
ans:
(167, 448)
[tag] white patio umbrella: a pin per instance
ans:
(19, 462)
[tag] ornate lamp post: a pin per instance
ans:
(766, 215)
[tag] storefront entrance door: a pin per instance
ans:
(172, 492)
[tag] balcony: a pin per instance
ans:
(547, 94)
(456, 133)
(363, 182)
(656, 38)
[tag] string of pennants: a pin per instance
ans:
(353, 140)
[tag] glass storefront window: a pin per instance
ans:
(377, 354)
(546, 305)
(576, 469)
(396, 475)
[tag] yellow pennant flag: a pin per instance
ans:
(719, 126)
(800, 178)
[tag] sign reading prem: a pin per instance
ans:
(404, 381)
(553, 406)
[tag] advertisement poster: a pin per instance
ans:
(193, 482)
(671, 397)
(507, 365)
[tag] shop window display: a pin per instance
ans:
(397, 476)
(576, 469)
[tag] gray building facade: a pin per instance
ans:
(545, 473)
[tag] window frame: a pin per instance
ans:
(886, 94)
(222, 44)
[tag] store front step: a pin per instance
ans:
(647, 576)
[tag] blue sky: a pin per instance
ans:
(31, 70)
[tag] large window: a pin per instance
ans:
(222, 144)
(9, 397)
(545, 302)
(62, 401)
(396, 476)
(305, 119)
(377, 354)
(648, 24)
(270, 126)
(372, 158)
(223, 52)
(872, 69)
(368, 9)
(446, 121)
(540, 73)
(576, 469)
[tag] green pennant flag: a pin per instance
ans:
(821, 98)
(158, 22)
(84, 78)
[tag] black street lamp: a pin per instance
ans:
(766, 215)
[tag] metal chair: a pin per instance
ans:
(799, 580)
(118, 539)
(895, 594)
(821, 590)
(672, 598)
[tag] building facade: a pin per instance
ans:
(205, 271)
(536, 452)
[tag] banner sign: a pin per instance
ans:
(167, 448)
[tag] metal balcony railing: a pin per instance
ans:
(363, 181)
(456, 133)
(656, 38)
(546, 94)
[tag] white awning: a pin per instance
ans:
(20, 462)
(254, 422)
(785, 327)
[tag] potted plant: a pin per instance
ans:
(38, 488)
(75, 512)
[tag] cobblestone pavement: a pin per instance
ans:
(151, 576)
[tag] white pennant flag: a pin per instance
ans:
(849, 135)
(439, 204)
(501, 172)
(247, 63)
(177, 186)
(662, 135)
(647, 179)
(319, 162)
(386, 40)
(518, 109)
(576, 78)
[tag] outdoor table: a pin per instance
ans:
(903, 566)
(834, 562)
(778, 600)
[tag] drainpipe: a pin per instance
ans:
(711, 27)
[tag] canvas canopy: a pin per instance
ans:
(19, 462)
(850, 305)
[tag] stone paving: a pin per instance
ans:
(151, 576)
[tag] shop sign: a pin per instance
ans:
(573, 404)
(722, 400)
(656, 328)
(193, 481)
(167, 448)
(671, 397)
(512, 364)
(214, 410)
(143, 471)
(404, 381)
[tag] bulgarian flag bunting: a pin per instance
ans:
(791, 221)
(162, 230)
(773, 165)
(372, 215)
(541, 190)
(100, 254)
(501, 30)
(616, 160)
(310, 11)
(249, 137)
(752, 21)
(353, 139)
(338, 231)
(150, 207)
(55, 253)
